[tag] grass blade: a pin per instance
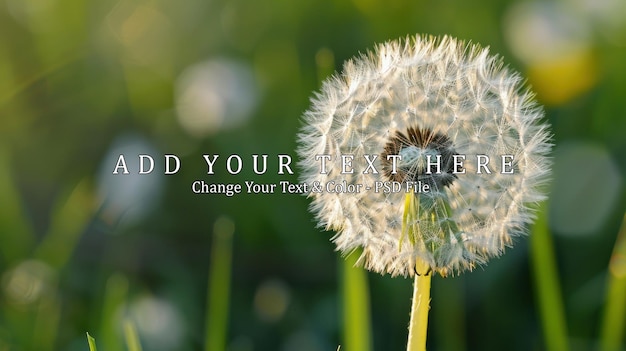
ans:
(547, 284)
(115, 295)
(218, 292)
(612, 332)
(132, 338)
(69, 218)
(92, 343)
(46, 324)
(356, 306)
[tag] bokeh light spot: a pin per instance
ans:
(557, 82)
(303, 340)
(27, 282)
(127, 198)
(541, 31)
(215, 95)
(158, 322)
(271, 300)
(144, 31)
(555, 44)
(585, 188)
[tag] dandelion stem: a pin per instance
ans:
(419, 308)
(418, 325)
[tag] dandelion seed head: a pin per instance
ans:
(425, 98)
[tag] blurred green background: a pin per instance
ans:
(83, 250)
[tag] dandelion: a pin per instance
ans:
(440, 150)
(426, 99)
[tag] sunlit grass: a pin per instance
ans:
(612, 333)
(357, 329)
(92, 343)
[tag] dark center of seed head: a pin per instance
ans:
(419, 148)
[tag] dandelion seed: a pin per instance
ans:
(436, 112)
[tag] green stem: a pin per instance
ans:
(418, 326)
(613, 322)
(218, 292)
(131, 336)
(47, 321)
(115, 295)
(356, 306)
(547, 284)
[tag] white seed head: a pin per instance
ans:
(419, 98)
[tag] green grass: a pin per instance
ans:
(92, 343)
(130, 334)
(612, 332)
(548, 290)
(218, 292)
(357, 333)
